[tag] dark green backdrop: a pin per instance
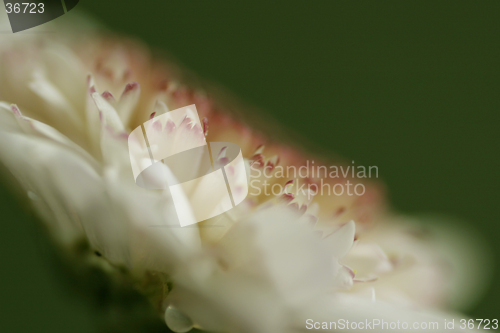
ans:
(411, 87)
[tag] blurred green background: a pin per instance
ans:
(412, 87)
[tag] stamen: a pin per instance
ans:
(258, 159)
(341, 210)
(259, 150)
(108, 96)
(170, 127)
(16, 110)
(288, 186)
(157, 126)
(205, 126)
(129, 87)
(222, 153)
(272, 162)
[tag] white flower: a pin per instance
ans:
(268, 265)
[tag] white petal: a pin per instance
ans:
(340, 242)
(128, 101)
(109, 116)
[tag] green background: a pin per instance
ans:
(411, 87)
